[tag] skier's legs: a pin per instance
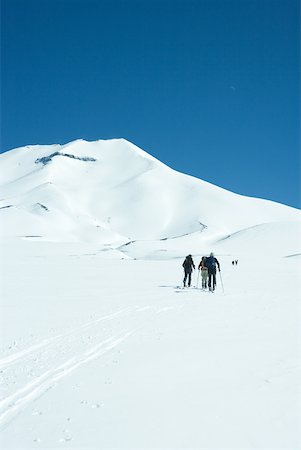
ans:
(204, 279)
(209, 278)
(214, 279)
(185, 278)
(189, 279)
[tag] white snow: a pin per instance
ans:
(89, 188)
(102, 350)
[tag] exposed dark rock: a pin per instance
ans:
(46, 159)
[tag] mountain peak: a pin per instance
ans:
(81, 148)
(112, 191)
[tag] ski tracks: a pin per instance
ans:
(16, 357)
(30, 372)
(13, 404)
(54, 358)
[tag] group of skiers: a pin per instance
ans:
(207, 268)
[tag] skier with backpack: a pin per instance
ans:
(188, 265)
(211, 264)
(204, 272)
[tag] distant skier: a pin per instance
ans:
(233, 262)
(204, 272)
(188, 265)
(211, 264)
(236, 262)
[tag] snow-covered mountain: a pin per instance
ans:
(113, 353)
(111, 193)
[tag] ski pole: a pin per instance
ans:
(221, 281)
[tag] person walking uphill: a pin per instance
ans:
(204, 272)
(188, 265)
(211, 264)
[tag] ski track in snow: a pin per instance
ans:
(13, 404)
(16, 357)
(17, 401)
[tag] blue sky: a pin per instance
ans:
(211, 88)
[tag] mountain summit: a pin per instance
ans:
(111, 192)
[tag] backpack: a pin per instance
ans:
(202, 264)
(188, 263)
(210, 262)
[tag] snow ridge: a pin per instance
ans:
(125, 196)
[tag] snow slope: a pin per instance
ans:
(111, 193)
(109, 354)
(101, 348)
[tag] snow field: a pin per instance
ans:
(108, 353)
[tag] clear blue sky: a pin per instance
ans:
(211, 88)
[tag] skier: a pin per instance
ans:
(188, 265)
(204, 272)
(211, 264)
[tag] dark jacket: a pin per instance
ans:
(211, 264)
(188, 264)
